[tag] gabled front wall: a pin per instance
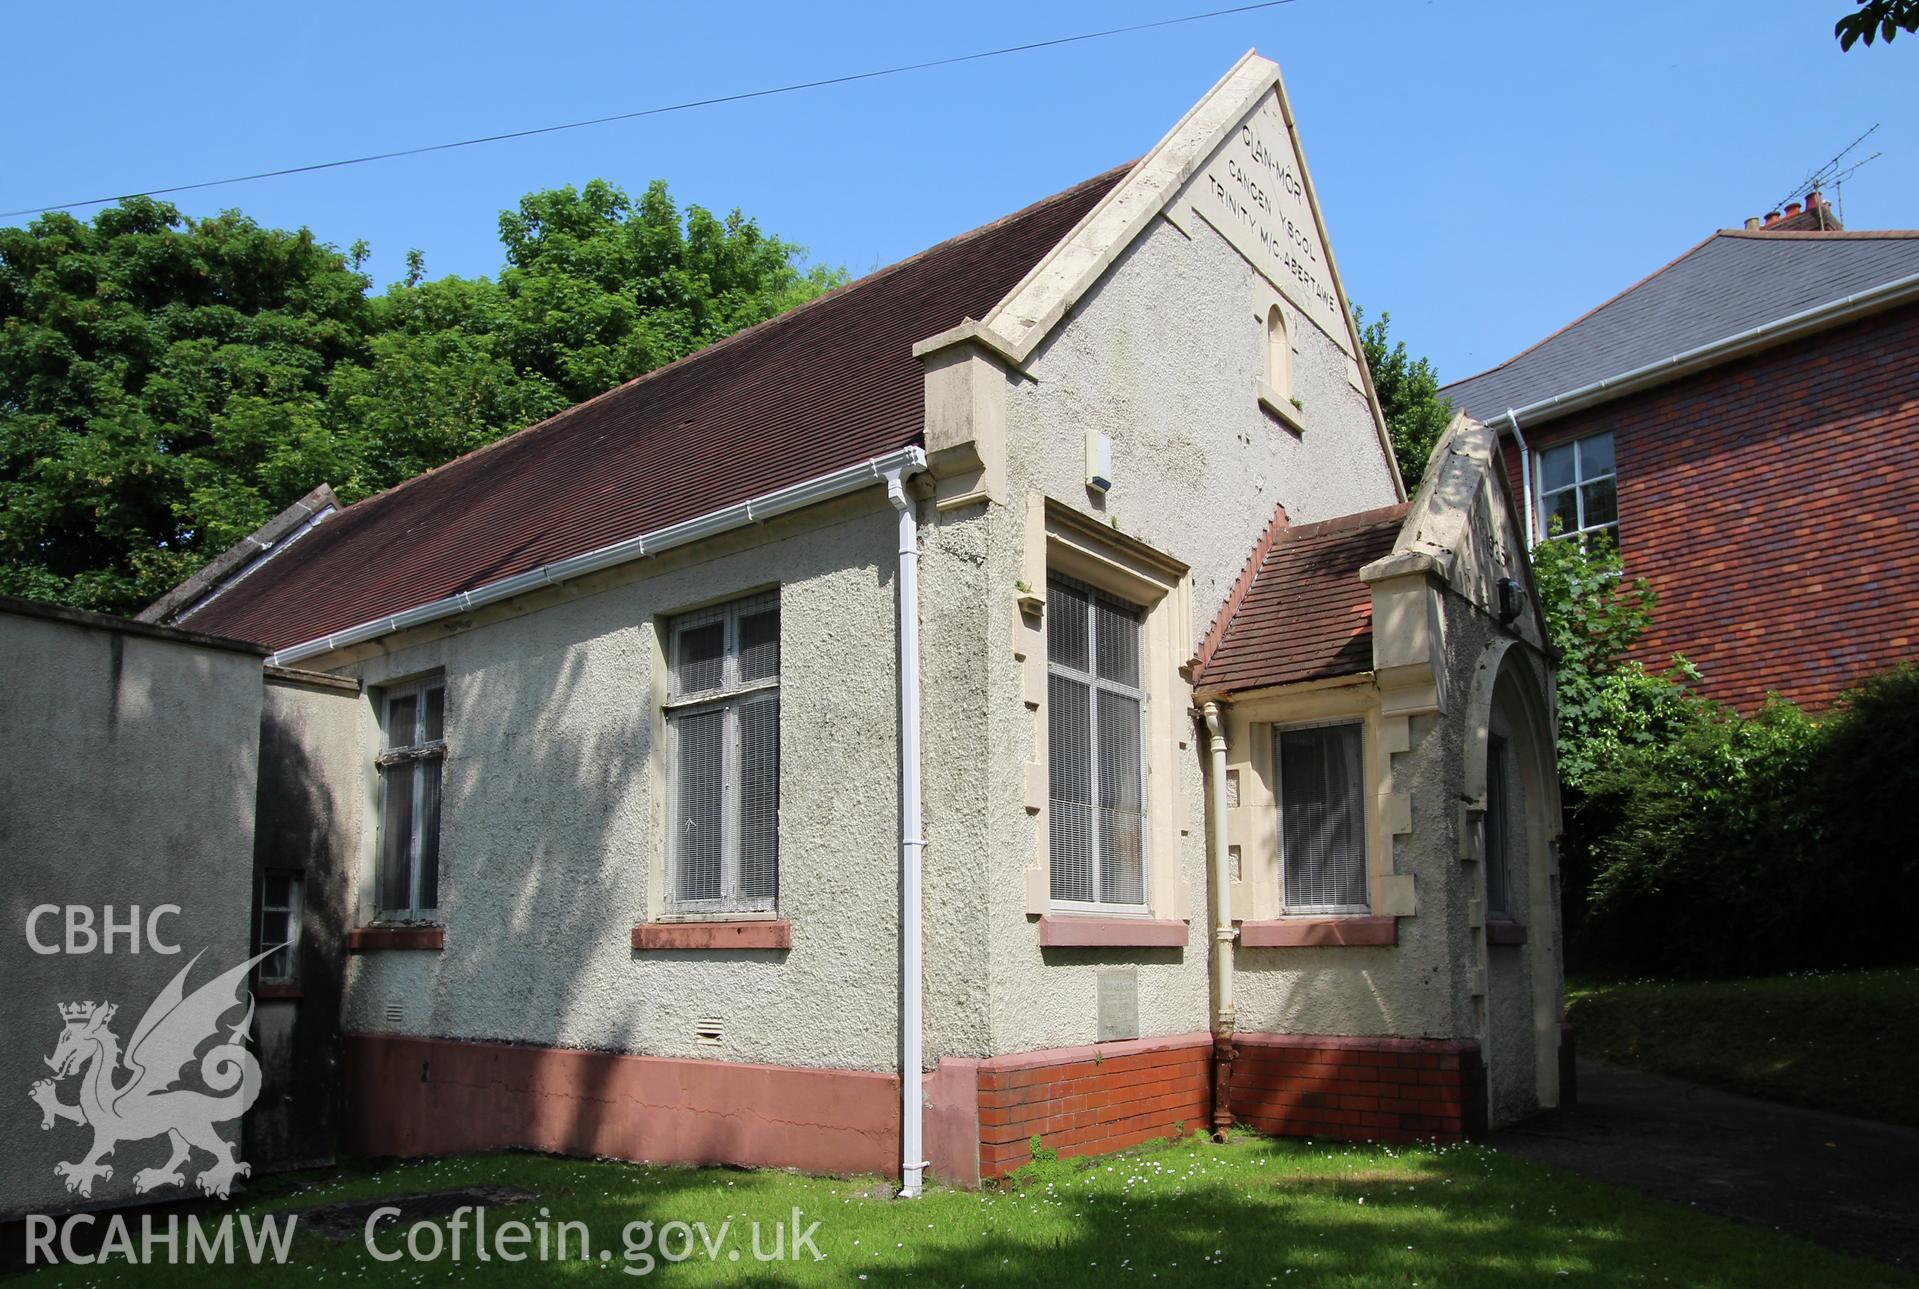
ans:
(1164, 356)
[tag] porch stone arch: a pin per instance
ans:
(1508, 700)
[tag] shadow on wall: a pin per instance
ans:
(297, 830)
(550, 819)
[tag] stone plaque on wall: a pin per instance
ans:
(1253, 192)
(1118, 990)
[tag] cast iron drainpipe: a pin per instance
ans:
(1226, 1018)
(912, 841)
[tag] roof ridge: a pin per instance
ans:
(758, 328)
(1820, 234)
(1609, 300)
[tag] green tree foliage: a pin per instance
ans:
(167, 384)
(1880, 18)
(1760, 844)
(1594, 616)
(1700, 842)
(162, 383)
(1408, 390)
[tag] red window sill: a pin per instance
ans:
(278, 990)
(1076, 930)
(1504, 931)
(758, 933)
(368, 938)
(1348, 931)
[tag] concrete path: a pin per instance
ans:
(1849, 1184)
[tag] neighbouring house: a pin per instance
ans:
(1745, 423)
(1010, 697)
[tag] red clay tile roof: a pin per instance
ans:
(828, 385)
(1306, 616)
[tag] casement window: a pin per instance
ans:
(280, 893)
(1578, 488)
(723, 748)
(1322, 818)
(1498, 842)
(413, 751)
(1096, 708)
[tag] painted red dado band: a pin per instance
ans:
(365, 939)
(762, 933)
(1070, 930)
(1279, 933)
(428, 1096)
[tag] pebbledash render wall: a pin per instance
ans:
(1770, 502)
(1163, 355)
(552, 852)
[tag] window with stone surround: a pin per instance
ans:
(1320, 772)
(1096, 706)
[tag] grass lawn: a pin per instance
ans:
(1257, 1212)
(1845, 1041)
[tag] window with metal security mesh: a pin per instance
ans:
(1578, 488)
(1096, 743)
(1322, 818)
(280, 926)
(413, 751)
(1498, 849)
(723, 747)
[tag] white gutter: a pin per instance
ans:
(912, 840)
(1226, 1017)
(1525, 477)
(807, 492)
(1832, 313)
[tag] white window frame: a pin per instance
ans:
(413, 755)
(731, 696)
(296, 883)
(1279, 819)
(1095, 684)
(1580, 479)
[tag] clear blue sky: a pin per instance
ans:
(1488, 170)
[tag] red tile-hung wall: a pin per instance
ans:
(1773, 503)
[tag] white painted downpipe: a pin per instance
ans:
(1223, 934)
(912, 842)
(1525, 477)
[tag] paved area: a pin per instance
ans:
(1849, 1184)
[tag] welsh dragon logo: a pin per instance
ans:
(149, 1101)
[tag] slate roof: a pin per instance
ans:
(828, 385)
(1733, 281)
(1304, 615)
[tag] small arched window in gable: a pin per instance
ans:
(1279, 353)
(1276, 383)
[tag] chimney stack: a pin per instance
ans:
(1752, 222)
(1815, 216)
